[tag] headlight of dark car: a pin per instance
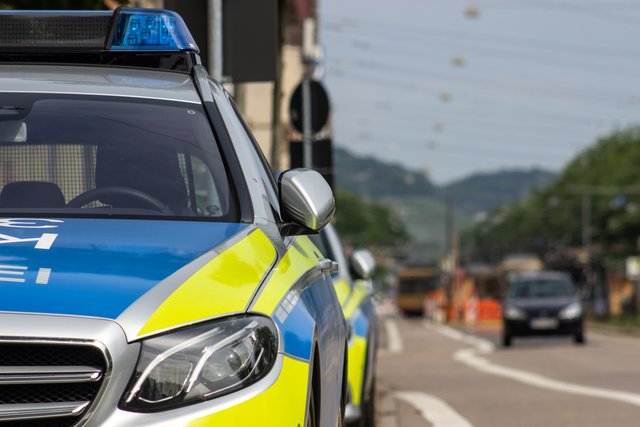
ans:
(202, 362)
(572, 311)
(512, 312)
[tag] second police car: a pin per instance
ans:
(152, 273)
(356, 300)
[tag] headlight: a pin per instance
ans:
(201, 362)
(572, 311)
(514, 313)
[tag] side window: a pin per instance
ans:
(266, 173)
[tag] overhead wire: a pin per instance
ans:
(480, 83)
(404, 48)
(362, 77)
(586, 10)
(420, 140)
(409, 33)
(477, 109)
(453, 118)
(503, 44)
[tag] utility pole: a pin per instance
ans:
(449, 256)
(308, 50)
(276, 126)
(214, 15)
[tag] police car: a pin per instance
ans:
(355, 293)
(152, 273)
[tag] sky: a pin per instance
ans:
(525, 83)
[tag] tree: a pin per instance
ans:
(552, 217)
(363, 223)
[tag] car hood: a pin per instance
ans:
(555, 303)
(95, 267)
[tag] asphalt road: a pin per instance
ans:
(431, 375)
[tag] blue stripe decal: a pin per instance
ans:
(360, 324)
(95, 267)
(297, 331)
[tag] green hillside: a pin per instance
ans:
(371, 178)
(486, 191)
(420, 205)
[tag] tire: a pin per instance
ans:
(368, 418)
(579, 338)
(312, 418)
(506, 340)
(312, 413)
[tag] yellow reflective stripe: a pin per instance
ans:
(357, 362)
(301, 257)
(343, 290)
(358, 294)
(224, 285)
(281, 405)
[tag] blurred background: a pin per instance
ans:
(467, 141)
(456, 134)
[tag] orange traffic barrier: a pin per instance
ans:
(489, 310)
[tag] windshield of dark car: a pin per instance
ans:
(541, 288)
(130, 157)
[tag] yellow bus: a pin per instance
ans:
(412, 287)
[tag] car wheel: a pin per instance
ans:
(579, 338)
(506, 340)
(312, 420)
(368, 418)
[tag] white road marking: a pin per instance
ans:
(434, 410)
(394, 341)
(471, 358)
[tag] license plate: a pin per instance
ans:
(543, 323)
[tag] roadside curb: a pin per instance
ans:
(387, 409)
(613, 330)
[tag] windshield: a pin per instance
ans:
(417, 286)
(82, 155)
(541, 288)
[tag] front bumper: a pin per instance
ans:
(524, 328)
(279, 399)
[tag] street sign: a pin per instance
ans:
(249, 33)
(319, 107)
(322, 157)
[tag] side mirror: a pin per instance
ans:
(363, 264)
(306, 200)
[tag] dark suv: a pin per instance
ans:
(542, 303)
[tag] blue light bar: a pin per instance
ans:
(150, 30)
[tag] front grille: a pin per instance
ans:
(48, 384)
(543, 312)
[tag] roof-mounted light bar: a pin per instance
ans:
(150, 29)
(125, 30)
